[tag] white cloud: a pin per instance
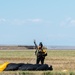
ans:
(25, 21)
(68, 19)
(35, 20)
(2, 20)
(72, 22)
(68, 22)
(20, 21)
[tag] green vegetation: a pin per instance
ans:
(37, 73)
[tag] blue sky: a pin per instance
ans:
(49, 21)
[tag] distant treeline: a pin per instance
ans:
(28, 47)
(18, 47)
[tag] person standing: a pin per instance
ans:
(40, 53)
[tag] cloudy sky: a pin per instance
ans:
(49, 21)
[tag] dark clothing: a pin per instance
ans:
(40, 56)
(40, 59)
(40, 44)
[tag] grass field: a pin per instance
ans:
(61, 60)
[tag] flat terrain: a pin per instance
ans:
(59, 59)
